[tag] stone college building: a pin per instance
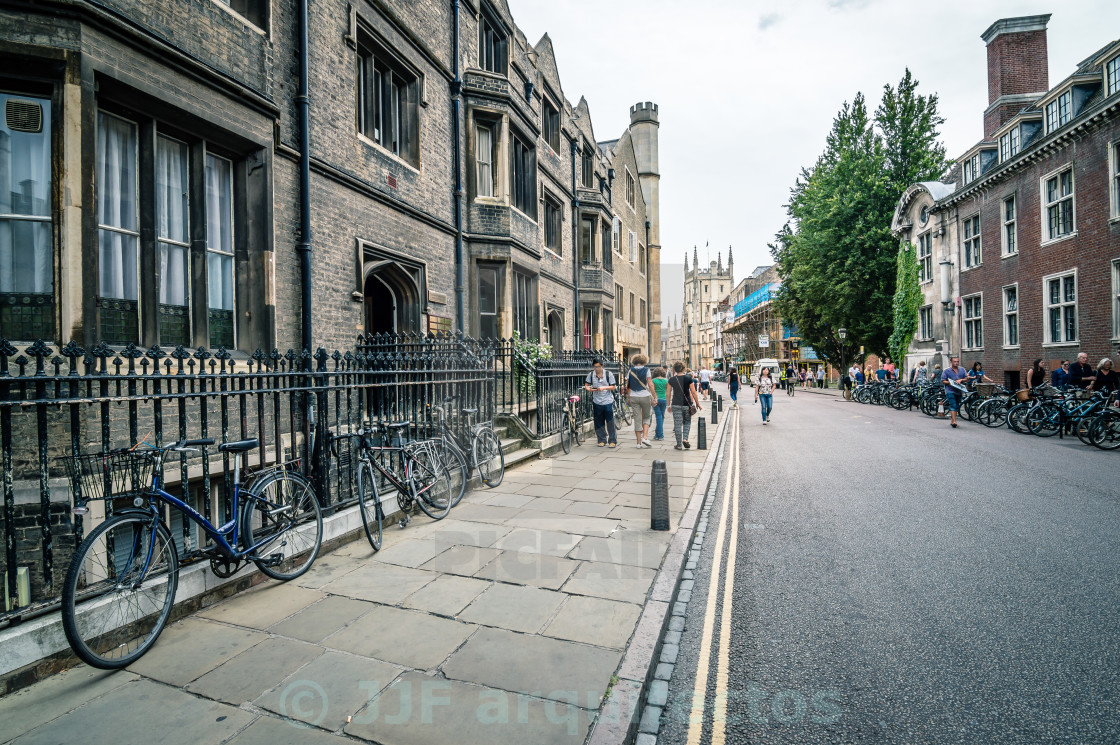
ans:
(206, 172)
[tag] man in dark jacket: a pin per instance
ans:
(1081, 374)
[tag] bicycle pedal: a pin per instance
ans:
(273, 560)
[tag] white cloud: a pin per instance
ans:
(746, 101)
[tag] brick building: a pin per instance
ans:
(1019, 249)
(150, 159)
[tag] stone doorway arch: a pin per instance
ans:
(556, 330)
(392, 299)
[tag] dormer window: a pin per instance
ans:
(1112, 76)
(492, 43)
(1009, 145)
(1059, 111)
(972, 168)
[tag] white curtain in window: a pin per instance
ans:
(171, 220)
(219, 203)
(116, 205)
(219, 232)
(25, 171)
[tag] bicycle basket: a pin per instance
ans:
(118, 473)
(985, 389)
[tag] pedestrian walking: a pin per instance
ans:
(953, 389)
(820, 377)
(640, 395)
(602, 385)
(733, 387)
(683, 402)
(919, 374)
(659, 385)
(705, 382)
(764, 392)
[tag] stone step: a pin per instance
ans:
(520, 456)
(510, 445)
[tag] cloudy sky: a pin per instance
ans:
(747, 89)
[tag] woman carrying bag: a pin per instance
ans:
(683, 402)
(640, 394)
(764, 392)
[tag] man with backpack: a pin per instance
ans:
(602, 385)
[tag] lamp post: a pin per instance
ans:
(843, 334)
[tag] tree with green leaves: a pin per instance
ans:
(836, 256)
(907, 301)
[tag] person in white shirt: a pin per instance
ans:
(705, 381)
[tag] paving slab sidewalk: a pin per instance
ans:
(503, 623)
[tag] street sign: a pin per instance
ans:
(763, 340)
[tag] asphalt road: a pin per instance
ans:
(898, 581)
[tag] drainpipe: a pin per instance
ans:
(456, 101)
(575, 248)
(649, 299)
(304, 245)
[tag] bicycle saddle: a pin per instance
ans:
(398, 425)
(470, 411)
(242, 446)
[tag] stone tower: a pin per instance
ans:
(643, 131)
(704, 288)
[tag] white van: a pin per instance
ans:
(775, 369)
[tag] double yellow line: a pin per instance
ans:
(719, 570)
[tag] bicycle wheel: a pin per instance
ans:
(489, 458)
(623, 417)
(577, 429)
(1044, 420)
(428, 480)
(992, 413)
(282, 514)
(566, 434)
(113, 609)
(1105, 432)
(458, 472)
(370, 505)
(1016, 416)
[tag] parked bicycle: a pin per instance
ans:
(623, 416)
(570, 429)
(482, 450)
(121, 583)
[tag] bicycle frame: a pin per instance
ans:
(401, 486)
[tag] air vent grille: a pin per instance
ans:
(23, 116)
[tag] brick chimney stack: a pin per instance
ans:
(1018, 68)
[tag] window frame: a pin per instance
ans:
(1009, 315)
(1112, 76)
(523, 184)
(971, 243)
(1009, 226)
(525, 306)
(1116, 299)
(553, 222)
(46, 325)
(642, 261)
(587, 167)
(550, 124)
(587, 254)
(971, 168)
(496, 42)
(1009, 144)
(633, 309)
(1047, 306)
(1046, 205)
(619, 312)
(375, 57)
(134, 233)
(1114, 177)
(925, 328)
(1059, 111)
(925, 261)
(256, 13)
(490, 128)
(616, 236)
(972, 324)
(632, 247)
(631, 189)
(642, 312)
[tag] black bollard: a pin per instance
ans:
(659, 496)
(701, 435)
(715, 416)
(720, 399)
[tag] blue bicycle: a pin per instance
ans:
(120, 587)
